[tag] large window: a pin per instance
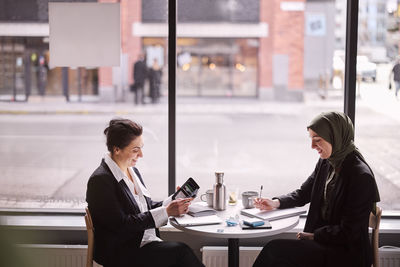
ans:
(250, 76)
(260, 139)
(49, 147)
(377, 113)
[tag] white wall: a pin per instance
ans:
(319, 43)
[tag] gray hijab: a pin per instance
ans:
(337, 129)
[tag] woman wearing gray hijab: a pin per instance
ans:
(342, 192)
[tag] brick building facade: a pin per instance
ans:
(284, 37)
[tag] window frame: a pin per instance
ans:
(349, 80)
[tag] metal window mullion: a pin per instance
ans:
(350, 77)
(171, 96)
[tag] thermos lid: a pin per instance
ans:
(219, 177)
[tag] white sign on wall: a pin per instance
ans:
(84, 34)
(292, 6)
(315, 25)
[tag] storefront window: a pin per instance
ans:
(217, 67)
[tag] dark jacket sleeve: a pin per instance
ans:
(104, 198)
(355, 210)
(301, 196)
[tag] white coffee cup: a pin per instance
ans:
(209, 197)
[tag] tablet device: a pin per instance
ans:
(188, 189)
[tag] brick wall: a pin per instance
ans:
(131, 44)
(285, 36)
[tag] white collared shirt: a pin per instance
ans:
(159, 214)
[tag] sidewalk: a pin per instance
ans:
(53, 105)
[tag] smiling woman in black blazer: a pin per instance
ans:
(341, 191)
(125, 217)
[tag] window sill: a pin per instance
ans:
(390, 223)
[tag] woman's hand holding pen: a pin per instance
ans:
(178, 206)
(266, 203)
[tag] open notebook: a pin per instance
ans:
(187, 220)
(273, 214)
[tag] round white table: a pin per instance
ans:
(234, 233)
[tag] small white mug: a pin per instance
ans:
(209, 197)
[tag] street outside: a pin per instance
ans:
(49, 148)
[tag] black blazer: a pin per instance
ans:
(118, 223)
(345, 233)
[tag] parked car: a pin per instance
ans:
(366, 69)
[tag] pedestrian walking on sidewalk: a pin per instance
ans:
(139, 77)
(396, 76)
(155, 74)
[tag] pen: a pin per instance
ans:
(261, 188)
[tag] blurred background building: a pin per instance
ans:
(372, 28)
(225, 48)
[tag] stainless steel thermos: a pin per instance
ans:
(219, 196)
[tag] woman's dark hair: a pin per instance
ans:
(121, 132)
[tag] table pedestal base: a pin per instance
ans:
(233, 252)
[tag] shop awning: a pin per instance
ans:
(24, 29)
(202, 30)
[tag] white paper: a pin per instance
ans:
(273, 214)
(187, 220)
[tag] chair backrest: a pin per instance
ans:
(374, 222)
(90, 233)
